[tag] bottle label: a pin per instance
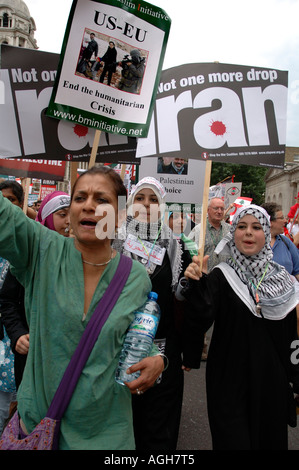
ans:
(144, 324)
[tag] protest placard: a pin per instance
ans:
(26, 79)
(217, 112)
(182, 178)
(220, 112)
(110, 65)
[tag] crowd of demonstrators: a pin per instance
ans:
(60, 267)
(249, 368)
(157, 413)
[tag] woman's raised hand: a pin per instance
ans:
(194, 270)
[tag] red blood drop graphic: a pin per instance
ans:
(218, 128)
(80, 131)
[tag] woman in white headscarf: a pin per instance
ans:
(146, 238)
(251, 301)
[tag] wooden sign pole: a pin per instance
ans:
(204, 210)
(123, 171)
(26, 185)
(94, 149)
(73, 173)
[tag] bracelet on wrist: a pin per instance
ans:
(166, 361)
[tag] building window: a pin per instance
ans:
(7, 22)
(296, 158)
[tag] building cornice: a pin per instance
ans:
(288, 168)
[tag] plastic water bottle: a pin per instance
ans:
(139, 338)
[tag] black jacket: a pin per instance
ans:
(13, 318)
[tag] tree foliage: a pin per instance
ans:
(251, 177)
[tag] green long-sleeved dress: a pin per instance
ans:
(49, 266)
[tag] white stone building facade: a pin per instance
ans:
(282, 185)
(17, 27)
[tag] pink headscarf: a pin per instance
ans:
(51, 203)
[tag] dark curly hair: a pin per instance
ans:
(16, 189)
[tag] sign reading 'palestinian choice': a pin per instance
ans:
(182, 178)
(110, 65)
(220, 112)
(26, 82)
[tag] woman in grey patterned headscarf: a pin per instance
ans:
(145, 222)
(275, 286)
(250, 300)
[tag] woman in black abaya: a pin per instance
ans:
(157, 413)
(251, 301)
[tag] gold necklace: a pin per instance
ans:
(99, 264)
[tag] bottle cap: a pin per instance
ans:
(153, 295)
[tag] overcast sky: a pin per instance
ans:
(261, 33)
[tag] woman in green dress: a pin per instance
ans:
(64, 279)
